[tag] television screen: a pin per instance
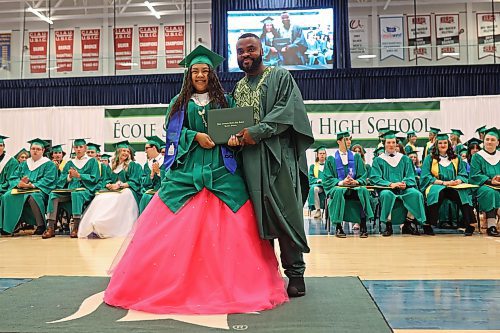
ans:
(295, 39)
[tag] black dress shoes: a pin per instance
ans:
(493, 232)
(339, 232)
(469, 230)
(388, 230)
(428, 230)
(408, 228)
(39, 230)
(296, 287)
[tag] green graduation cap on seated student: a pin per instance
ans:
(122, 144)
(343, 134)
(2, 137)
(202, 55)
(105, 157)
(411, 134)
(320, 148)
(462, 150)
(79, 142)
(382, 130)
(413, 152)
(58, 148)
(23, 150)
(456, 132)
(492, 131)
(155, 141)
(268, 20)
(390, 134)
(473, 141)
(38, 142)
(481, 129)
(94, 147)
(442, 136)
(378, 151)
(434, 130)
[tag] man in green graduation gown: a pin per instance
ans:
(396, 171)
(77, 184)
(343, 178)
(153, 171)
(485, 172)
(274, 155)
(29, 189)
(316, 192)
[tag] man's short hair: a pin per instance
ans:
(249, 35)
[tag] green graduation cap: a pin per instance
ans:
(443, 136)
(410, 134)
(122, 144)
(105, 157)
(57, 148)
(492, 131)
(320, 148)
(434, 130)
(343, 134)
(94, 147)
(473, 141)
(382, 130)
(38, 142)
(415, 152)
(202, 55)
(79, 142)
(462, 150)
(20, 152)
(457, 132)
(155, 141)
(481, 129)
(378, 151)
(267, 20)
(389, 134)
(356, 146)
(163, 146)
(3, 138)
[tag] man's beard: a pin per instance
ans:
(253, 67)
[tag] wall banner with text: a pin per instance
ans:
(419, 37)
(5, 49)
(174, 45)
(358, 36)
(91, 41)
(38, 51)
(488, 35)
(64, 50)
(148, 47)
(123, 48)
(391, 37)
(448, 36)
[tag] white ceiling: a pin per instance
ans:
(66, 10)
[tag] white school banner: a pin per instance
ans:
(391, 37)
(488, 35)
(358, 36)
(419, 37)
(448, 36)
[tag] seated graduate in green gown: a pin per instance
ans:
(29, 189)
(105, 170)
(22, 155)
(343, 170)
(115, 208)
(433, 132)
(79, 180)
(440, 170)
(411, 145)
(8, 165)
(153, 171)
(485, 172)
(456, 143)
(395, 171)
(57, 156)
(316, 192)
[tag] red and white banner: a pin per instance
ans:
(91, 41)
(419, 37)
(64, 50)
(38, 51)
(174, 45)
(148, 47)
(448, 36)
(488, 35)
(123, 48)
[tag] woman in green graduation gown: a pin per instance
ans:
(485, 172)
(196, 247)
(115, 208)
(441, 171)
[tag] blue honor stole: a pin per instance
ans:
(340, 166)
(174, 130)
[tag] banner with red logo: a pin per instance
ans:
(148, 47)
(488, 35)
(419, 37)
(91, 41)
(358, 36)
(174, 45)
(447, 36)
(391, 37)
(123, 48)
(64, 50)
(38, 51)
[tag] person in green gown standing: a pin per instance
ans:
(80, 180)
(274, 160)
(440, 170)
(485, 172)
(153, 171)
(29, 189)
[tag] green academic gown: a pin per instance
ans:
(484, 167)
(315, 182)
(105, 175)
(89, 181)
(196, 168)
(43, 175)
(409, 148)
(387, 170)
(338, 208)
(8, 166)
(275, 168)
(131, 176)
(148, 184)
(446, 173)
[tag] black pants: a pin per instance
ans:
(452, 195)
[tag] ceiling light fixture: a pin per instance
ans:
(40, 15)
(152, 9)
